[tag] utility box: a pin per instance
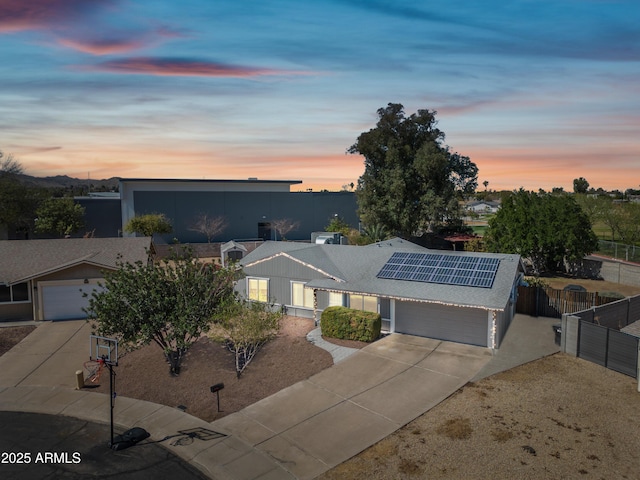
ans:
(328, 238)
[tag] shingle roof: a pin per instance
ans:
(203, 250)
(354, 269)
(21, 260)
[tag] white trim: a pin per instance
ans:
(392, 314)
(491, 329)
(308, 265)
(66, 266)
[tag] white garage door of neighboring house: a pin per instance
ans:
(64, 300)
(455, 324)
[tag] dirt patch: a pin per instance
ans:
(11, 336)
(345, 343)
(559, 283)
(558, 417)
(287, 359)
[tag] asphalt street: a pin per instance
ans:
(36, 446)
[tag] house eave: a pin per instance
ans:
(306, 264)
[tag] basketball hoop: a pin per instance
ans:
(94, 369)
(104, 351)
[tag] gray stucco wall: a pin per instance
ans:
(619, 272)
(281, 271)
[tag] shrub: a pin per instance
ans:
(536, 282)
(348, 324)
(616, 295)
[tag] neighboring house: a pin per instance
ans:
(46, 279)
(462, 297)
(219, 253)
(249, 207)
(483, 207)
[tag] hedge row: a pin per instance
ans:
(348, 324)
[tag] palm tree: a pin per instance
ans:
(375, 232)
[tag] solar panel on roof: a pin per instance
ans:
(441, 268)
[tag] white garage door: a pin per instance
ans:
(454, 324)
(65, 302)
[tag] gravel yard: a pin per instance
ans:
(558, 417)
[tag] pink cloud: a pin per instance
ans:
(118, 42)
(103, 47)
(184, 67)
(17, 15)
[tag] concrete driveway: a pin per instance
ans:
(318, 423)
(299, 432)
(50, 355)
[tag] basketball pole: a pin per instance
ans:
(111, 399)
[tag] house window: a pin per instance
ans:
(234, 255)
(258, 289)
(300, 296)
(15, 293)
(335, 299)
(363, 302)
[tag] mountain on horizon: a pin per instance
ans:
(65, 181)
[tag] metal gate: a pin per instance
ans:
(608, 347)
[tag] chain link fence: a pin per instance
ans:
(630, 253)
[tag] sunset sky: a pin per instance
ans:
(536, 93)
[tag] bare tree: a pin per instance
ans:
(284, 226)
(209, 226)
(244, 327)
(9, 165)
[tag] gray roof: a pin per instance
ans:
(632, 329)
(203, 250)
(353, 269)
(22, 260)
(232, 245)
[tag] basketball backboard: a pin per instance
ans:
(103, 348)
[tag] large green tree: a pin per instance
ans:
(18, 202)
(550, 230)
(596, 207)
(171, 303)
(580, 185)
(412, 181)
(59, 216)
(624, 221)
(147, 225)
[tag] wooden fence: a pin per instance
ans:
(549, 302)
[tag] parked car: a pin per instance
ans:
(574, 288)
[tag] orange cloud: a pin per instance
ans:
(510, 169)
(317, 172)
(184, 67)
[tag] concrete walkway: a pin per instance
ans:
(528, 339)
(299, 432)
(338, 352)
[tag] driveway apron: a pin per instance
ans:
(319, 423)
